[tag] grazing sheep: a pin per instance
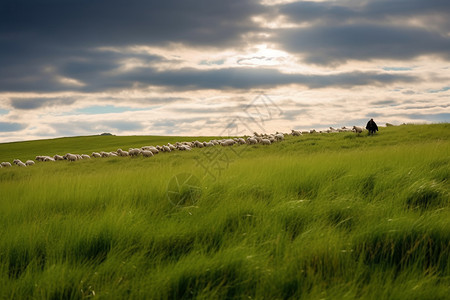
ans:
(279, 137)
(265, 142)
(96, 154)
(252, 141)
(312, 131)
(153, 149)
(21, 164)
(184, 148)
(120, 152)
(198, 144)
(241, 141)
(85, 156)
(44, 158)
(6, 164)
(147, 153)
(228, 142)
(105, 154)
(71, 157)
(17, 161)
(165, 148)
(344, 129)
(29, 162)
(208, 144)
(134, 152)
(357, 129)
(58, 157)
(296, 133)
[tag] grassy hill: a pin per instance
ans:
(325, 216)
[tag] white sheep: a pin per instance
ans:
(265, 142)
(344, 129)
(105, 154)
(228, 142)
(296, 133)
(120, 152)
(252, 141)
(29, 162)
(312, 131)
(40, 158)
(198, 144)
(71, 157)
(147, 153)
(153, 149)
(134, 152)
(208, 144)
(17, 161)
(48, 158)
(21, 164)
(357, 129)
(279, 137)
(85, 156)
(96, 154)
(241, 141)
(6, 164)
(58, 157)
(165, 149)
(184, 148)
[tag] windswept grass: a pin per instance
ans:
(338, 216)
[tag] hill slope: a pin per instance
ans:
(319, 216)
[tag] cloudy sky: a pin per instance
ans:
(207, 67)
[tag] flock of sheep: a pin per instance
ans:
(149, 151)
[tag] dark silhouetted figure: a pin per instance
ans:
(371, 126)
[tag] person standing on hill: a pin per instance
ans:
(372, 126)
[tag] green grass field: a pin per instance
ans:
(324, 216)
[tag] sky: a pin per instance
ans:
(207, 67)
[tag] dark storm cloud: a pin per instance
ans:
(118, 22)
(36, 35)
(241, 78)
(375, 10)
(123, 125)
(34, 103)
(340, 31)
(337, 44)
(44, 42)
(11, 127)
